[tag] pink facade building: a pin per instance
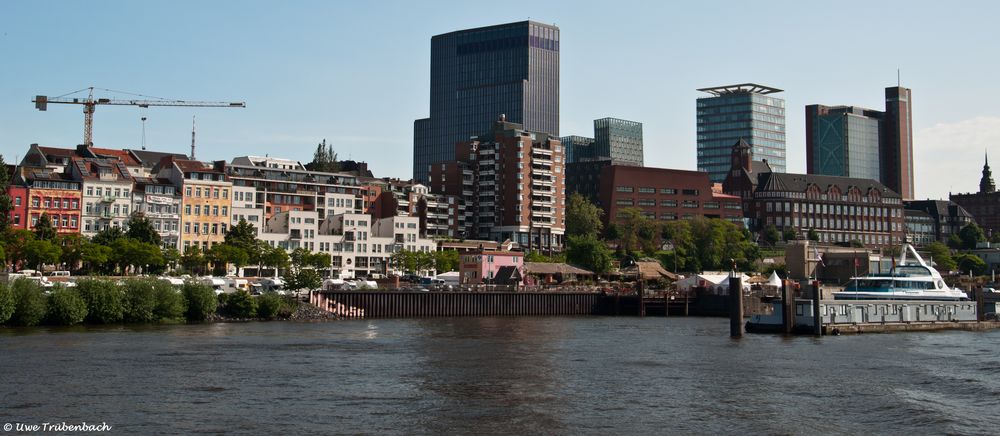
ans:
(486, 266)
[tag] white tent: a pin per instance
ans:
(774, 280)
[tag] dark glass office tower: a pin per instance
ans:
(735, 112)
(479, 74)
(843, 141)
(620, 140)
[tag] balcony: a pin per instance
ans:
(107, 199)
(105, 215)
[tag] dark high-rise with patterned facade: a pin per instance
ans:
(620, 140)
(479, 74)
(850, 141)
(747, 112)
(985, 204)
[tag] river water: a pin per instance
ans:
(552, 375)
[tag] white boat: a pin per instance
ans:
(910, 279)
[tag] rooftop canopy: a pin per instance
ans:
(743, 88)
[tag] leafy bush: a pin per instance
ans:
(268, 305)
(104, 299)
(66, 307)
(241, 305)
(139, 300)
(201, 301)
(7, 302)
(170, 303)
(29, 303)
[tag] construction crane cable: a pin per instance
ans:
(70, 93)
(137, 95)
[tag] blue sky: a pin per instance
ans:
(357, 73)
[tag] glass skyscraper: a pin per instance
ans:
(477, 75)
(735, 112)
(621, 140)
(843, 141)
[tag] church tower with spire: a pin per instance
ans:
(986, 183)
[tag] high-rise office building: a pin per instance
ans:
(897, 144)
(479, 74)
(849, 141)
(620, 140)
(843, 141)
(734, 112)
(578, 148)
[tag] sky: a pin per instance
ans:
(358, 73)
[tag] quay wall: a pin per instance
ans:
(382, 304)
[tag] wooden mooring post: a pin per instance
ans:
(817, 320)
(787, 307)
(980, 304)
(735, 306)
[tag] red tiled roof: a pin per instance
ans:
(193, 165)
(64, 152)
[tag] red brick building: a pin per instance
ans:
(837, 209)
(512, 186)
(664, 194)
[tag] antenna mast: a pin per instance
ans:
(192, 137)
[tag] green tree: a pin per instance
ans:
(970, 262)
(635, 231)
(971, 235)
(192, 259)
(941, 256)
(29, 303)
(589, 252)
(268, 305)
(324, 159)
(201, 300)
(678, 234)
(107, 236)
(241, 305)
(66, 307)
(7, 302)
(170, 304)
(813, 235)
(41, 252)
(446, 260)
(995, 238)
(6, 206)
(127, 252)
(582, 216)
(104, 299)
(275, 257)
(15, 242)
(788, 235)
(140, 229)
(222, 255)
(771, 235)
(171, 256)
(43, 228)
(139, 298)
(302, 279)
(71, 246)
(94, 255)
(243, 235)
(954, 242)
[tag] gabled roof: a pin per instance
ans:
(649, 271)
(507, 275)
(90, 168)
(553, 268)
(788, 182)
(149, 158)
(121, 155)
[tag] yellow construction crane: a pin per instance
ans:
(90, 103)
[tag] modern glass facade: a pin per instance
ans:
(577, 148)
(479, 74)
(740, 112)
(844, 141)
(621, 140)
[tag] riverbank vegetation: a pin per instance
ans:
(132, 301)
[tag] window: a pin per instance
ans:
(197, 209)
(624, 202)
(668, 203)
(225, 210)
(668, 191)
(187, 227)
(35, 201)
(215, 193)
(65, 204)
(623, 189)
(647, 190)
(187, 191)
(76, 203)
(689, 191)
(187, 209)
(225, 193)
